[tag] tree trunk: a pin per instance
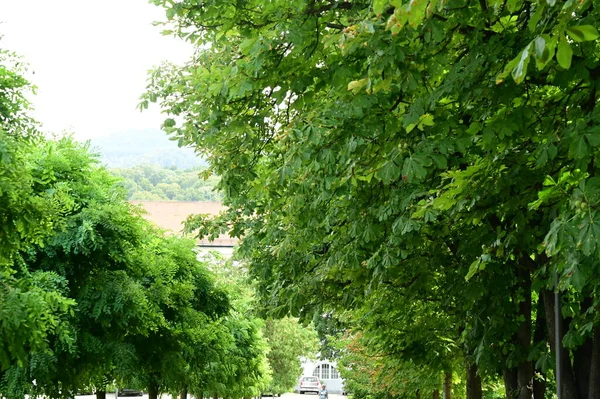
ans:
(101, 393)
(473, 383)
(216, 395)
(582, 364)
(436, 394)
(418, 394)
(152, 393)
(184, 393)
(539, 335)
(569, 388)
(523, 337)
(594, 388)
(582, 359)
(510, 382)
(447, 385)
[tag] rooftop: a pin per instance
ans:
(171, 215)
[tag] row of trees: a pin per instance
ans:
(91, 293)
(147, 182)
(420, 170)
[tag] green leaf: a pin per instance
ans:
(379, 6)
(564, 53)
(583, 33)
(593, 137)
(413, 168)
(520, 70)
(577, 278)
(579, 148)
(356, 85)
(589, 234)
(551, 243)
(440, 161)
(389, 172)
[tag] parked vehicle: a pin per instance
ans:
(309, 384)
(130, 392)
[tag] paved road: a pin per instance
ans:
(166, 396)
(309, 396)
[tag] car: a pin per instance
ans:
(309, 384)
(130, 392)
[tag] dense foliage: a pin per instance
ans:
(421, 169)
(148, 182)
(93, 295)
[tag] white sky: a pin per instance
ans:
(90, 60)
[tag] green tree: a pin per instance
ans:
(288, 341)
(358, 140)
(34, 306)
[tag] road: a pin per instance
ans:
(166, 396)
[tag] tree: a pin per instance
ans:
(288, 341)
(154, 183)
(355, 139)
(34, 306)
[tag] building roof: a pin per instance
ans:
(170, 216)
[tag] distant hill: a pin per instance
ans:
(148, 146)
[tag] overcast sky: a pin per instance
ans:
(89, 59)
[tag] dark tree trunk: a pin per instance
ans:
(436, 394)
(510, 382)
(216, 395)
(594, 388)
(539, 335)
(153, 392)
(582, 364)
(184, 393)
(569, 388)
(447, 385)
(525, 368)
(473, 383)
(582, 359)
(101, 394)
(418, 394)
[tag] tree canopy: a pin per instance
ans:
(91, 293)
(148, 182)
(434, 160)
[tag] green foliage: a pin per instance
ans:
(155, 183)
(34, 306)
(288, 342)
(403, 161)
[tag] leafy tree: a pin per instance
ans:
(155, 183)
(34, 306)
(367, 142)
(288, 341)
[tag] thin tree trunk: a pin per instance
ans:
(436, 394)
(525, 368)
(447, 385)
(216, 395)
(569, 387)
(184, 393)
(418, 394)
(539, 335)
(594, 388)
(101, 393)
(474, 390)
(510, 382)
